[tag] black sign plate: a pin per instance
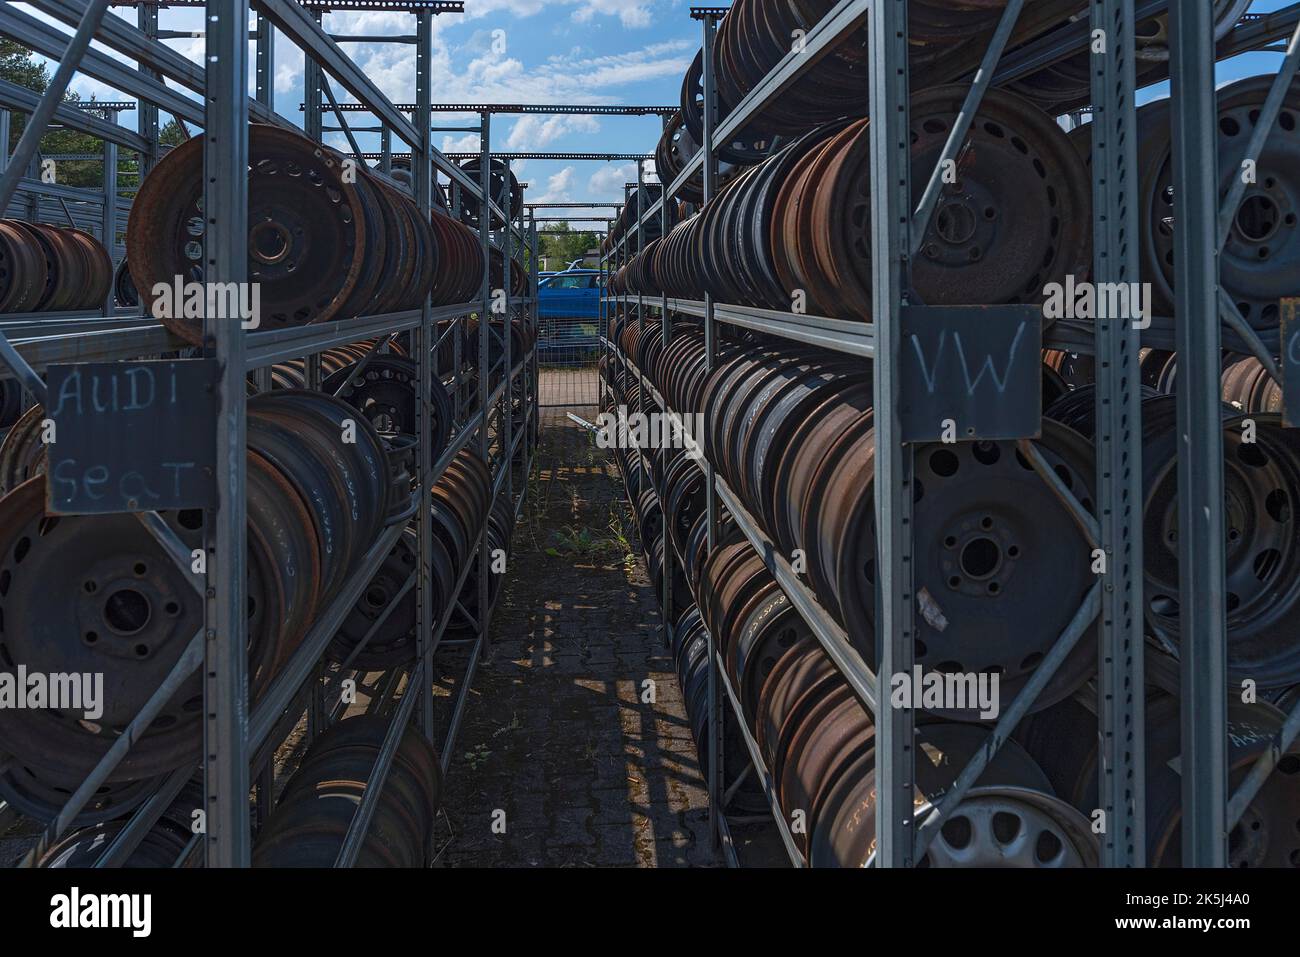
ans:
(1291, 363)
(971, 372)
(132, 436)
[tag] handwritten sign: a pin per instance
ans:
(131, 436)
(971, 372)
(1291, 363)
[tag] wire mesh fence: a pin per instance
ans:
(567, 350)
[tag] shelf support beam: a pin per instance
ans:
(1201, 564)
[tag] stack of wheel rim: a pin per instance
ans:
(1261, 483)
(947, 41)
(518, 274)
(162, 845)
(791, 432)
(799, 421)
(645, 196)
(46, 268)
(794, 232)
(523, 337)
(817, 742)
(293, 373)
(691, 657)
(308, 827)
(814, 735)
(1248, 386)
(1259, 261)
(503, 187)
(1063, 740)
(460, 255)
(385, 391)
(315, 505)
(327, 239)
(379, 633)
(500, 524)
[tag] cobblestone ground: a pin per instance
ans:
(557, 733)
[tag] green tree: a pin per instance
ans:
(18, 67)
(561, 245)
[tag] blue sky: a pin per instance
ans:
(556, 51)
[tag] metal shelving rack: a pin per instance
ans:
(1114, 601)
(239, 741)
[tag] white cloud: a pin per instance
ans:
(631, 13)
(464, 144)
(288, 70)
(557, 188)
(607, 182)
(532, 132)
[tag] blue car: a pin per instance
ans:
(568, 307)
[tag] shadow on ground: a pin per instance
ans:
(560, 732)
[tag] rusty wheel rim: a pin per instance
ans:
(307, 230)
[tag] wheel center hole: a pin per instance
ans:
(981, 557)
(127, 611)
(269, 242)
(955, 223)
(1257, 218)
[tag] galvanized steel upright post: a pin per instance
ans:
(264, 76)
(1201, 585)
(264, 70)
(640, 245)
(313, 126)
(533, 374)
(891, 266)
(108, 221)
(312, 74)
(147, 113)
(507, 323)
(665, 318)
(1118, 441)
(225, 204)
(425, 342)
(716, 711)
(710, 323)
(484, 361)
(313, 82)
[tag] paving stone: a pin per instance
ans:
(590, 774)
